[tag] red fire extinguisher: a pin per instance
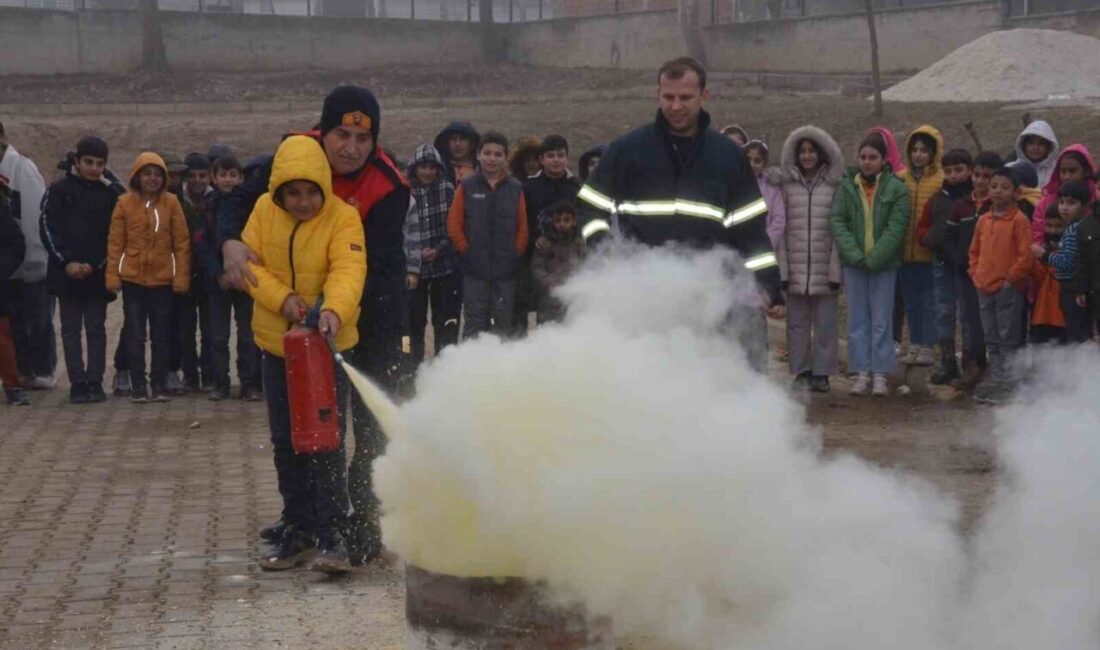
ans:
(311, 388)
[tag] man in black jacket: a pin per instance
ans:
(678, 180)
(364, 176)
(12, 250)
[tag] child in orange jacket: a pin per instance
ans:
(1048, 323)
(148, 258)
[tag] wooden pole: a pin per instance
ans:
(876, 75)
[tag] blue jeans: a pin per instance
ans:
(947, 300)
(917, 292)
(870, 320)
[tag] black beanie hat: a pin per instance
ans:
(351, 106)
(196, 162)
(92, 146)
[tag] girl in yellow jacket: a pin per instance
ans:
(148, 258)
(924, 179)
(313, 249)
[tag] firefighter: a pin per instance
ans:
(678, 180)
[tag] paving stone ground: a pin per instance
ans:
(126, 526)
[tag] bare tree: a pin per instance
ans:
(692, 30)
(876, 75)
(153, 58)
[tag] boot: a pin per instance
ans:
(972, 374)
(948, 369)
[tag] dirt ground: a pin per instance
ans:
(949, 443)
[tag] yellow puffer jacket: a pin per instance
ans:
(325, 255)
(930, 184)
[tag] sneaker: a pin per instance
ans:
(139, 396)
(218, 394)
(364, 540)
(819, 383)
(191, 385)
(331, 557)
(121, 385)
(172, 384)
(880, 388)
(44, 382)
(295, 548)
(78, 394)
(252, 395)
(95, 393)
(274, 532)
(861, 385)
(160, 395)
(17, 397)
(948, 373)
(924, 355)
(971, 377)
(990, 392)
(801, 382)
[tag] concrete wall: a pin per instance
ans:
(910, 40)
(52, 42)
(1083, 22)
(635, 40)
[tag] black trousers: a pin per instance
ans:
(1078, 322)
(444, 295)
(82, 315)
(313, 486)
(152, 307)
(221, 306)
(189, 319)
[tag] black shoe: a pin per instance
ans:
(331, 557)
(218, 394)
(78, 394)
(252, 395)
(17, 397)
(946, 374)
(160, 395)
(295, 548)
(274, 533)
(95, 393)
(138, 395)
(801, 381)
(364, 540)
(819, 383)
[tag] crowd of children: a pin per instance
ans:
(1004, 251)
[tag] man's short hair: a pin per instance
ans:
(958, 157)
(989, 160)
(226, 163)
(1010, 174)
(494, 137)
(563, 207)
(677, 68)
(553, 143)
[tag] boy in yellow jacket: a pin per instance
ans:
(148, 258)
(312, 246)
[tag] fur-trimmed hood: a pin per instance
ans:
(788, 162)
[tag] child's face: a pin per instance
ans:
(870, 161)
(175, 180)
(426, 173)
(1055, 227)
(564, 223)
(1069, 208)
(981, 177)
(593, 163)
(151, 178)
(808, 158)
(1002, 193)
(198, 181)
(531, 165)
(1070, 169)
(302, 199)
(919, 154)
(555, 162)
(757, 160)
(90, 168)
(955, 174)
(1036, 149)
(459, 146)
(492, 158)
(227, 179)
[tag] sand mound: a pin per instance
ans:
(1013, 65)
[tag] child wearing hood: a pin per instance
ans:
(924, 179)
(1075, 163)
(1038, 145)
(438, 283)
(314, 257)
(552, 266)
(458, 144)
(737, 134)
(809, 262)
(149, 260)
(757, 153)
(589, 161)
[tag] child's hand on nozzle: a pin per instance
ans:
(294, 308)
(329, 323)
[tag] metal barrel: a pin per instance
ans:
(443, 611)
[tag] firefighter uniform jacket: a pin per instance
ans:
(661, 189)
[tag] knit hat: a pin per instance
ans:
(92, 146)
(217, 151)
(196, 162)
(173, 163)
(351, 106)
(1025, 171)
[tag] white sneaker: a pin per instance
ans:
(880, 388)
(924, 356)
(44, 383)
(860, 385)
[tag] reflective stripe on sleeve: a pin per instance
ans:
(761, 262)
(593, 227)
(672, 208)
(750, 211)
(589, 195)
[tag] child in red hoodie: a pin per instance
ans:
(1000, 264)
